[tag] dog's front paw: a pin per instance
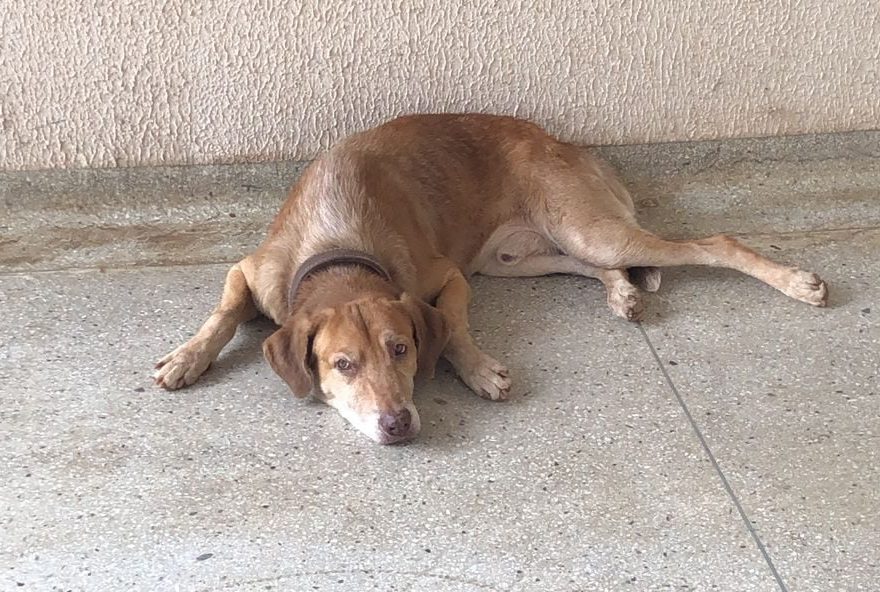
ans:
(487, 377)
(181, 367)
(807, 287)
(625, 300)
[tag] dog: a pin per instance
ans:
(365, 268)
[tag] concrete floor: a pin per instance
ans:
(729, 442)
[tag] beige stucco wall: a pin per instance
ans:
(130, 82)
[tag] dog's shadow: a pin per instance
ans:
(450, 411)
(243, 353)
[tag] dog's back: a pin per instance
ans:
(439, 183)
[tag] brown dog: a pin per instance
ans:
(365, 267)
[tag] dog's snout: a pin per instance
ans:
(396, 424)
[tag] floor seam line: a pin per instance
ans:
(790, 233)
(705, 445)
(113, 268)
(784, 234)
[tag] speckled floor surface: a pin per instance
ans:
(729, 442)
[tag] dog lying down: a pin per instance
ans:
(365, 267)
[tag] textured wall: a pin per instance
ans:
(180, 81)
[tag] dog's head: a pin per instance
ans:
(363, 356)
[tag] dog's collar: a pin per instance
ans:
(322, 261)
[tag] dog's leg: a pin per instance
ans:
(624, 299)
(615, 244)
(184, 365)
(483, 374)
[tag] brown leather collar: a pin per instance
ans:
(322, 261)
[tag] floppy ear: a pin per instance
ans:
(288, 351)
(431, 333)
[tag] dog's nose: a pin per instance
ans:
(396, 424)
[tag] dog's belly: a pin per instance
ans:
(510, 244)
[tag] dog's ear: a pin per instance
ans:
(288, 350)
(431, 333)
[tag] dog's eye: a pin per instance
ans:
(343, 365)
(399, 349)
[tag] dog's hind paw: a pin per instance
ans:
(806, 287)
(646, 278)
(625, 300)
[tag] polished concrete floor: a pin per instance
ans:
(731, 441)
